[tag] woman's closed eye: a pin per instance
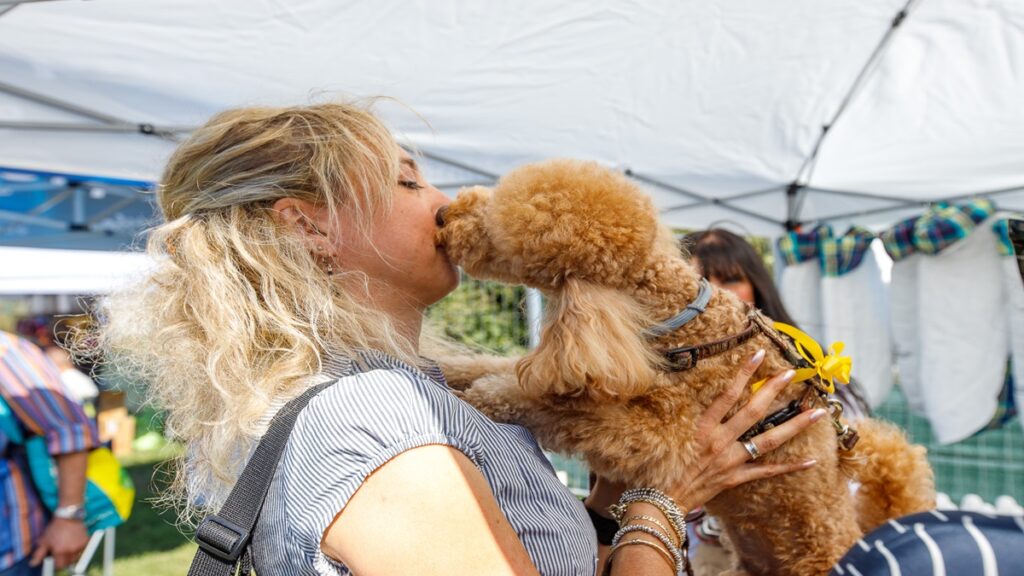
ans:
(411, 184)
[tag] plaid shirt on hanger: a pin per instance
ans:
(843, 254)
(797, 247)
(944, 225)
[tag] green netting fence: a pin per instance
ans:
(485, 315)
(991, 463)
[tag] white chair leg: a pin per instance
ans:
(108, 553)
(80, 567)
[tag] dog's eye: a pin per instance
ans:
(411, 184)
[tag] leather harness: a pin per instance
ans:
(686, 357)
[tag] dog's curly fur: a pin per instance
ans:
(595, 386)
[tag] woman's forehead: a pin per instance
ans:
(406, 160)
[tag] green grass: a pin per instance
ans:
(148, 543)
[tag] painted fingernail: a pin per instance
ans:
(809, 463)
(817, 414)
(757, 357)
(788, 375)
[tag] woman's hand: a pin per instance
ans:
(723, 462)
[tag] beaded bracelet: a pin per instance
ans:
(656, 498)
(668, 507)
(677, 559)
(647, 518)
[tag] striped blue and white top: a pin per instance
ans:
(379, 410)
(946, 543)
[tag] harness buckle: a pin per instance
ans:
(683, 358)
(846, 435)
(222, 538)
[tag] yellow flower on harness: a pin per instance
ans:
(829, 367)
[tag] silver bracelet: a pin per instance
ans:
(656, 498)
(668, 507)
(664, 538)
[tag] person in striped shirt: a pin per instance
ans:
(37, 403)
(299, 248)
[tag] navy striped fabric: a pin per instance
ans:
(946, 543)
(380, 410)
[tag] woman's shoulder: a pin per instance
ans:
(386, 388)
(383, 409)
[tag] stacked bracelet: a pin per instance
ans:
(646, 518)
(676, 519)
(656, 498)
(677, 558)
(664, 553)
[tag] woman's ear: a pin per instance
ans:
(592, 342)
(305, 219)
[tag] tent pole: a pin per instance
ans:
(457, 164)
(791, 223)
(113, 209)
(923, 203)
(111, 122)
(58, 104)
(120, 128)
(700, 197)
(33, 220)
(13, 3)
(78, 208)
(534, 311)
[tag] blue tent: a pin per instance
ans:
(55, 210)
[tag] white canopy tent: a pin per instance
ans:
(30, 271)
(717, 107)
(768, 115)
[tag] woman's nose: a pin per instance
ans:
(439, 216)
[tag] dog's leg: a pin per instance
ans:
(896, 479)
(463, 370)
(500, 398)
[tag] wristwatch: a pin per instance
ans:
(70, 512)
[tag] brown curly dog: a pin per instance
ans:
(597, 386)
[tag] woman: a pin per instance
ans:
(299, 248)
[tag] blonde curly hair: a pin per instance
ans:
(237, 313)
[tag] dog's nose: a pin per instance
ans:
(439, 217)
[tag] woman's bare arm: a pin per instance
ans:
(427, 511)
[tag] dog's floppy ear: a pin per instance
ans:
(592, 342)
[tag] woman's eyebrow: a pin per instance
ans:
(411, 164)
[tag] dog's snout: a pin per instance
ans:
(439, 217)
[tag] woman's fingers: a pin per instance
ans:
(758, 405)
(772, 439)
(751, 472)
(720, 407)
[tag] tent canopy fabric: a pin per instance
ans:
(74, 272)
(716, 108)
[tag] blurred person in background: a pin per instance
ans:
(80, 385)
(35, 402)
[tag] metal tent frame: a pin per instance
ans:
(85, 214)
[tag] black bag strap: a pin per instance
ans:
(224, 537)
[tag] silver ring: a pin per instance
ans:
(751, 449)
